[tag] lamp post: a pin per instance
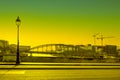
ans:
(18, 22)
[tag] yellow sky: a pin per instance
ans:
(60, 21)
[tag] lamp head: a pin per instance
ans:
(18, 21)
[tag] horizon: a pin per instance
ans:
(58, 43)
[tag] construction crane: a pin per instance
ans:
(94, 36)
(102, 38)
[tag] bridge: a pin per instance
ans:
(55, 49)
(60, 50)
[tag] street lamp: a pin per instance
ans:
(18, 22)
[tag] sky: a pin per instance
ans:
(60, 21)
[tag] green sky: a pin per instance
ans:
(60, 21)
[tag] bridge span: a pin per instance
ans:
(55, 49)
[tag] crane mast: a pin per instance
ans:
(94, 36)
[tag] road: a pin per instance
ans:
(57, 74)
(60, 71)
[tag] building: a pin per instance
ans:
(4, 46)
(13, 48)
(3, 43)
(111, 50)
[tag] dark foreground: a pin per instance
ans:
(79, 74)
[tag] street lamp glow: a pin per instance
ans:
(18, 22)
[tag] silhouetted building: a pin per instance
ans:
(111, 50)
(4, 46)
(24, 48)
(3, 43)
(13, 48)
(118, 53)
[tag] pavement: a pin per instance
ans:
(28, 65)
(59, 71)
(55, 74)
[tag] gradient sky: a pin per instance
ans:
(60, 21)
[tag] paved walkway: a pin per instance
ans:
(81, 64)
(24, 65)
